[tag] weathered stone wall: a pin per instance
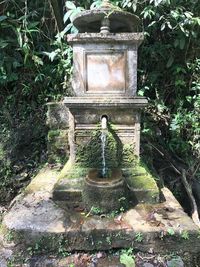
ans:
(58, 123)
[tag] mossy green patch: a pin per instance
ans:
(76, 172)
(2, 152)
(129, 159)
(145, 182)
(58, 146)
(90, 155)
(70, 182)
(142, 183)
(53, 133)
(43, 181)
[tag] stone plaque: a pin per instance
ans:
(105, 72)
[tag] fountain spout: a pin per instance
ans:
(104, 123)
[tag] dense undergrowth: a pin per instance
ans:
(35, 68)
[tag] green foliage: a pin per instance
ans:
(35, 68)
(185, 235)
(171, 231)
(139, 237)
(72, 11)
(127, 258)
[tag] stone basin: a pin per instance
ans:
(95, 177)
(104, 194)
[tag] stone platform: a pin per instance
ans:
(34, 218)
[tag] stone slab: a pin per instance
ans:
(35, 218)
(122, 102)
(133, 38)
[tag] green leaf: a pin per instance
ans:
(134, 6)
(68, 27)
(3, 18)
(169, 25)
(176, 42)
(157, 2)
(152, 23)
(182, 28)
(171, 231)
(37, 60)
(162, 26)
(70, 5)
(170, 61)
(197, 20)
(95, 4)
(127, 260)
(33, 24)
(67, 15)
(74, 29)
(51, 55)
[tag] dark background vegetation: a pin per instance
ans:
(35, 68)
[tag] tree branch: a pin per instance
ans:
(56, 7)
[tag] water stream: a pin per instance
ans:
(103, 144)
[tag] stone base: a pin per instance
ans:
(35, 219)
(136, 185)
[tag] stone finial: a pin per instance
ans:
(105, 26)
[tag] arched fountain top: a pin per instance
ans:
(107, 16)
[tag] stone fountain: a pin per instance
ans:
(104, 113)
(104, 197)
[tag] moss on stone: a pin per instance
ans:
(129, 159)
(76, 171)
(39, 182)
(70, 182)
(142, 183)
(145, 182)
(58, 147)
(90, 155)
(104, 199)
(53, 133)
